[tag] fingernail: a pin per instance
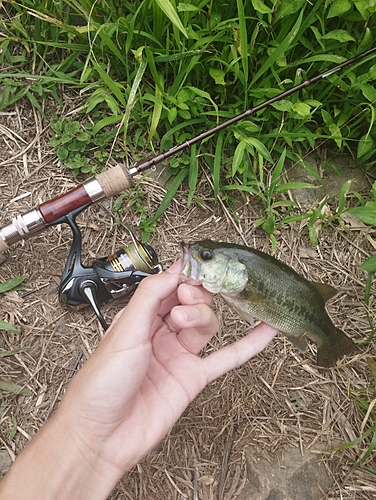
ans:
(190, 313)
(196, 292)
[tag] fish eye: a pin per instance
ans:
(206, 255)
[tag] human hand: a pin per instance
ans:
(146, 370)
(142, 376)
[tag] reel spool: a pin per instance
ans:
(108, 278)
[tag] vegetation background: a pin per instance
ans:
(151, 74)
(156, 72)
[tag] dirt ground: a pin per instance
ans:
(273, 404)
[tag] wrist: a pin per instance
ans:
(56, 465)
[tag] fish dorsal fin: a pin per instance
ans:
(326, 291)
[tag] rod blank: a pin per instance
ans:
(118, 178)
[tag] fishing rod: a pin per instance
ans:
(119, 178)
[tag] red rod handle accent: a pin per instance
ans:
(57, 207)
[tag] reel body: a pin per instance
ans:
(108, 278)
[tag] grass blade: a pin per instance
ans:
(171, 13)
(218, 157)
(193, 173)
(132, 96)
(174, 186)
(4, 325)
(11, 284)
(243, 47)
(14, 388)
(280, 50)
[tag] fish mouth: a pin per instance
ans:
(189, 266)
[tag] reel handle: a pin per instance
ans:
(88, 290)
(108, 278)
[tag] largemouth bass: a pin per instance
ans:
(260, 286)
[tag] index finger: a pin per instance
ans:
(234, 355)
(138, 317)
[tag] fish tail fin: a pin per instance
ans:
(334, 349)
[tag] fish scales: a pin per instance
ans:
(281, 295)
(260, 286)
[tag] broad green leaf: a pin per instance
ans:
(167, 136)
(369, 264)
(111, 84)
(365, 144)
(11, 284)
(269, 224)
(301, 108)
(342, 195)
(187, 7)
(361, 5)
(288, 7)
(172, 114)
(238, 157)
(93, 101)
(171, 13)
(109, 120)
(339, 35)
(313, 103)
(283, 105)
(14, 388)
(72, 127)
(4, 325)
(218, 75)
(259, 6)
(295, 218)
(112, 104)
(203, 94)
(338, 7)
(336, 133)
(326, 117)
(366, 214)
(368, 91)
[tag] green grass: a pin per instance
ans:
(157, 72)
(11, 284)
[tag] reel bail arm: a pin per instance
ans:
(111, 277)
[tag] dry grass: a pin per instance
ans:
(243, 417)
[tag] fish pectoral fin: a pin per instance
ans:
(243, 313)
(326, 291)
(249, 318)
(300, 343)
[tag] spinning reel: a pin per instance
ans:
(110, 277)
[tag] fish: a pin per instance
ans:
(259, 286)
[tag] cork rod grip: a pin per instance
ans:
(114, 180)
